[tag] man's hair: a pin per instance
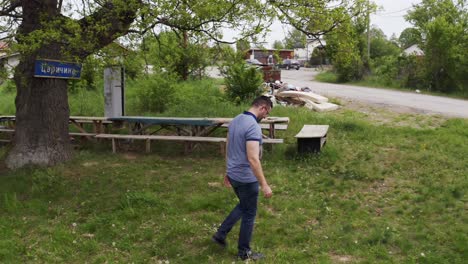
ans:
(262, 100)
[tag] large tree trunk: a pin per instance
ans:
(42, 112)
(42, 115)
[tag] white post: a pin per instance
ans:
(114, 92)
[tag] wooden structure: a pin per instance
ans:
(311, 138)
(191, 131)
(186, 139)
(262, 54)
(271, 73)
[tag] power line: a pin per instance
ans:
(393, 12)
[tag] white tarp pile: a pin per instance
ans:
(289, 95)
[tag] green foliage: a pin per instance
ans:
(443, 24)
(327, 76)
(183, 53)
(7, 98)
(345, 50)
(243, 82)
(412, 72)
(278, 45)
(385, 68)
(133, 65)
(408, 37)
(8, 86)
(155, 92)
(345, 57)
(242, 45)
(381, 47)
(84, 102)
(198, 98)
(294, 39)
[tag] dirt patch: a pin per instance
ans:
(342, 258)
(90, 164)
(130, 156)
(215, 184)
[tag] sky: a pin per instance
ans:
(389, 18)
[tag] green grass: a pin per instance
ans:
(388, 190)
(378, 193)
(327, 76)
(7, 98)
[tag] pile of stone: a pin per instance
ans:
(287, 94)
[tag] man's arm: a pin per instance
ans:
(253, 151)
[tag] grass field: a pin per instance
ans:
(380, 192)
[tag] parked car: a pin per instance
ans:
(290, 64)
(253, 62)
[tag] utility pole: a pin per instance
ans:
(368, 30)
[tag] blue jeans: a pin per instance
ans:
(246, 210)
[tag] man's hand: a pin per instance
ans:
(267, 193)
(227, 183)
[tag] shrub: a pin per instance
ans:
(411, 72)
(8, 86)
(156, 92)
(385, 69)
(243, 82)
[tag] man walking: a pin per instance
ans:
(245, 174)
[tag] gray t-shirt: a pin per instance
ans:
(242, 128)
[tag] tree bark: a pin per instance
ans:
(42, 112)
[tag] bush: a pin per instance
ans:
(8, 86)
(243, 82)
(156, 92)
(411, 72)
(385, 70)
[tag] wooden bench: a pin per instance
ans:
(7, 131)
(265, 126)
(148, 138)
(271, 128)
(311, 138)
(75, 134)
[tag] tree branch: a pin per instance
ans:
(116, 18)
(8, 10)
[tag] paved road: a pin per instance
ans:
(418, 102)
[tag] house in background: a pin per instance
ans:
(303, 55)
(8, 60)
(413, 50)
(263, 54)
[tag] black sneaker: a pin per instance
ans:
(251, 255)
(219, 241)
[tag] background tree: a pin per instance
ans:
(347, 43)
(295, 39)
(381, 46)
(242, 45)
(278, 45)
(343, 48)
(184, 54)
(408, 37)
(443, 25)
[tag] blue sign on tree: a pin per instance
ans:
(57, 69)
